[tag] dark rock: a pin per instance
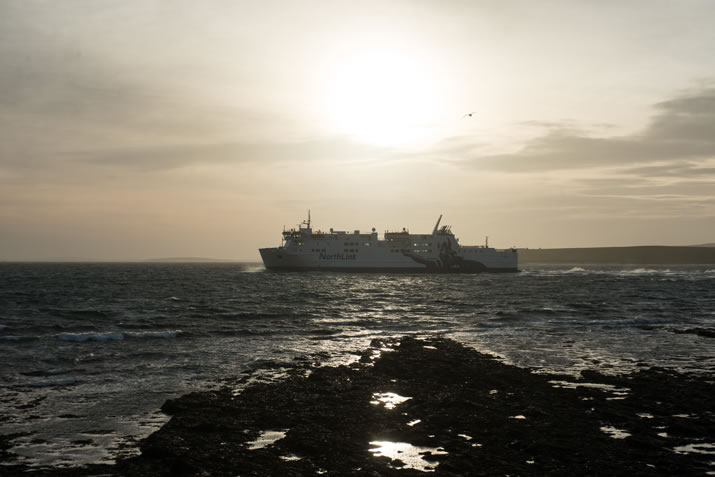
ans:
(476, 415)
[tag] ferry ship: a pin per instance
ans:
(438, 252)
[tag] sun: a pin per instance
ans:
(383, 96)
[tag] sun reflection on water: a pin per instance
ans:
(390, 400)
(411, 456)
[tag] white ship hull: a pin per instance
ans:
(438, 252)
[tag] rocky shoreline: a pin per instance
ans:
(415, 405)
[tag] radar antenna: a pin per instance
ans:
(307, 222)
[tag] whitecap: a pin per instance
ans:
(643, 271)
(253, 269)
(575, 270)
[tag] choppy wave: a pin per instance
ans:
(48, 372)
(153, 334)
(141, 334)
(620, 271)
(644, 271)
(117, 336)
(18, 339)
(81, 337)
(52, 383)
(253, 268)
(700, 331)
(575, 270)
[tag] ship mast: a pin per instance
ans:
(305, 222)
(437, 224)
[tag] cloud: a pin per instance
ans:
(174, 156)
(62, 109)
(676, 169)
(72, 88)
(682, 130)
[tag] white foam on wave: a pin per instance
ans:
(644, 271)
(253, 269)
(575, 270)
(117, 336)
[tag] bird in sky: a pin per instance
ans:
(469, 114)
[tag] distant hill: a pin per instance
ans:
(621, 255)
(704, 245)
(187, 260)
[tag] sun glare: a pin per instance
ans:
(384, 97)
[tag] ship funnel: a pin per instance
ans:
(437, 224)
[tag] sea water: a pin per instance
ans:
(89, 352)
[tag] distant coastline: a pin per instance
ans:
(141, 260)
(655, 254)
(190, 260)
(635, 255)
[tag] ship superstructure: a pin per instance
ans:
(438, 252)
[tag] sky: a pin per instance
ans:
(134, 129)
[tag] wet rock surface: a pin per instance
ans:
(467, 414)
